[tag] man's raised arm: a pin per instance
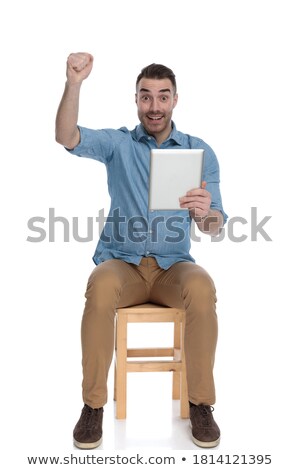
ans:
(79, 66)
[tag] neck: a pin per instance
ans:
(161, 137)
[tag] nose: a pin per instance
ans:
(154, 105)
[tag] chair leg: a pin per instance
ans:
(184, 399)
(176, 375)
(176, 386)
(115, 379)
(115, 361)
(121, 361)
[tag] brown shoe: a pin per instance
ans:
(205, 431)
(88, 431)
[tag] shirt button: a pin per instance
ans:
(149, 138)
(147, 252)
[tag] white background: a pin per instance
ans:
(237, 67)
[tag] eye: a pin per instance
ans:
(145, 98)
(164, 98)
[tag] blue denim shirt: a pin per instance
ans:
(132, 231)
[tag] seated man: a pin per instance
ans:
(153, 266)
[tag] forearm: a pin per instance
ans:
(211, 224)
(66, 130)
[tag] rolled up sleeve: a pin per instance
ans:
(95, 144)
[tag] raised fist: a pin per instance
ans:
(79, 66)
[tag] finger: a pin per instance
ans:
(192, 199)
(203, 185)
(202, 198)
(194, 205)
(198, 192)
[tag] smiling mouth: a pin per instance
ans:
(155, 118)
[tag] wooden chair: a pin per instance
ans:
(176, 363)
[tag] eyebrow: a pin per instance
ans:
(163, 90)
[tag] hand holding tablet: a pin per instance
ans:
(197, 201)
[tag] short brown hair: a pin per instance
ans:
(157, 72)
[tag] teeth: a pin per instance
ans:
(155, 118)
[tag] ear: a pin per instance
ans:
(175, 100)
(135, 98)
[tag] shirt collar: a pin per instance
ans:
(176, 136)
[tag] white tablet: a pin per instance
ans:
(173, 172)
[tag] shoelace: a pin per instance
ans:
(203, 415)
(89, 414)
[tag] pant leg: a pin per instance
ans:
(112, 284)
(186, 285)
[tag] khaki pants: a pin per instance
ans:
(115, 283)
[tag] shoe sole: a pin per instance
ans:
(204, 444)
(87, 445)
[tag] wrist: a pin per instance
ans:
(73, 85)
(211, 223)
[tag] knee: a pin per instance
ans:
(199, 286)
(103, 285)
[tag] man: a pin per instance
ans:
(134, 267)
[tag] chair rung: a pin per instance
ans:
(150, 352)
(157, 366)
